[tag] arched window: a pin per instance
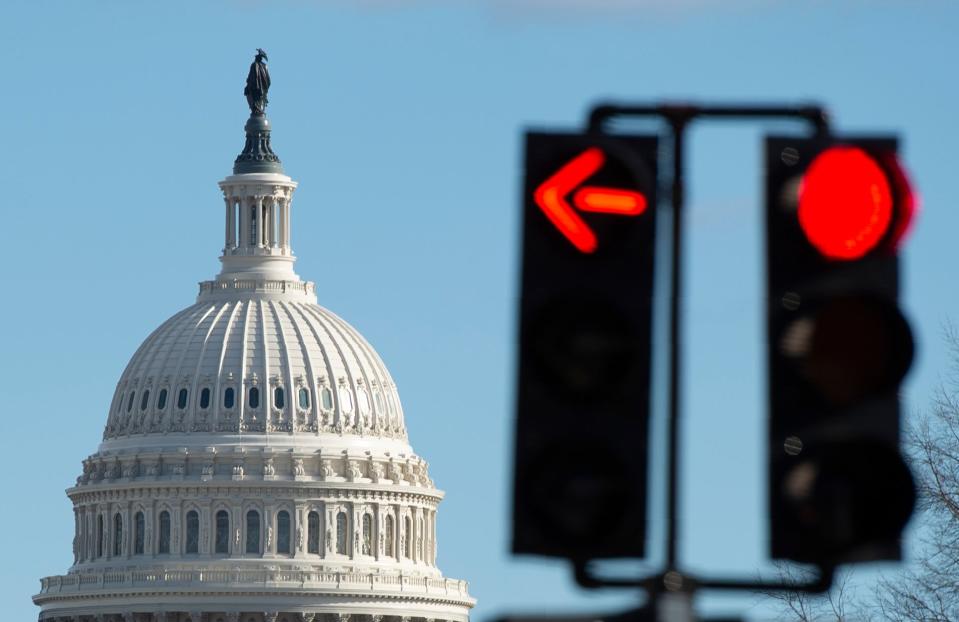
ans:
(313, 533)
(389, 536)
(367, 534)
(117, 535)
(192, 532)
(99, 535)
(161, 400)
(145, 400)
(342, 537)
(283, 532)
(133, 394)
(408, 533)
(138, 531)
(254, 397)
(252, 531)
(222, 544)
(229, 396)
(378, 400)
(163, 545)
(205, 398)
(181, 399)
(279, 397)
(326, 398)
(304, 398)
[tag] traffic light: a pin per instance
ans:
(584, 336)
(838, 348)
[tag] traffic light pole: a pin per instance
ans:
(679, 117)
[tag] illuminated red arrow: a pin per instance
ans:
(550, 196)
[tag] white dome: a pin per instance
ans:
(253, 366)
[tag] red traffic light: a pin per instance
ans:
(849, 203)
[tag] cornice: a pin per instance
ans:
(213, 582)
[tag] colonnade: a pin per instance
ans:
(138, 530)
(257, 222)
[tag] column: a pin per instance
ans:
(92, 526)
(411, 536)
(76, 536)
(267, 532)
(227, 238)
(265, 211)
(287, 220)
(244, 209)
(266, 222)
(81, 534)
(281, 206)
(377, 531)
(233, 210)
(206, 547)
(149, 546)
(260, 219)
(107, 534)
(301, 530)
(271, 231)
(128, 534)
(236, 544)
(176, 521)
(433, 538)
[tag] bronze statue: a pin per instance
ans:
(257, 83)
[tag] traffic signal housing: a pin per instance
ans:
(584, 345)
(838, 348)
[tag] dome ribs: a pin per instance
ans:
(333, 379)
(244, 362)
(262, 342)
(327, 366)
(264, 401)
(377, 366)
(141, 366)
(371, 366)
(338, 384)
(193, 425)
(166, 349)
(177, 423)
(314, 415)
(356, 384)
(218, 379)
(284, 338)
(283, 379)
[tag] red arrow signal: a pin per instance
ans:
(551, 195)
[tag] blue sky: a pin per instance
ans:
(402, 122)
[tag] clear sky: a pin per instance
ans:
(402, 122)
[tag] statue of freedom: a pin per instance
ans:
(257, 84)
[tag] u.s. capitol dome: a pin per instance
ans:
(255, 465)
